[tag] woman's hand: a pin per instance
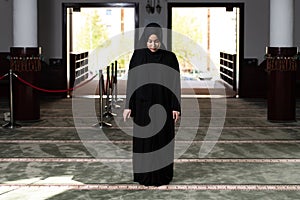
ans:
(126, 114)
(176, 115)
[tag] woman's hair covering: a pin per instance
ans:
(152, 28)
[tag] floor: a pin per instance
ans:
(188, 87)
(225, 149)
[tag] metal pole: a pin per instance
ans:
(101, 124)
(11, 124)
(112, 85)
(107, 88)
(108, 112)
(115, 80)
(100, 98)
(116, 84)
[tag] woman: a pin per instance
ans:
(153, 145)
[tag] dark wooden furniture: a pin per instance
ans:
(281, 67)
(298, 77)
(228, 68)
(4, 68)
(78, 67)
(253, 79)
(26, 63)
(54, 78)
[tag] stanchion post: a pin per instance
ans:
(115, 83)
(107, 89)
(11, 124)
(112, 80)
(101, 124)
(108, 112)
(100, 98)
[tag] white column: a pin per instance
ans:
(25, 23)
(281, 23)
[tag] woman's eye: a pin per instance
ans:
(156, 41)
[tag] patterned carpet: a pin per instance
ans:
(225, 149)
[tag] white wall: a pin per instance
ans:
(50, 24)
(6, 25)
(257, 20)
(297, 25)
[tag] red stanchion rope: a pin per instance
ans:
(2, 77)
(56, 91)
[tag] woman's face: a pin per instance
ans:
(153, 43)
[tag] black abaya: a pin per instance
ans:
(140, 102)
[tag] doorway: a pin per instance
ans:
(87, 28)
(213, 57)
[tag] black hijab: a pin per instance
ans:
(152, 28)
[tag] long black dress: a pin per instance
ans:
(154, 169)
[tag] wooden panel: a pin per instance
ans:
(298, 77)
(253, 79)
(78, 67)
(54, 77)
(25, 98)
(228, 68)
(4, 68)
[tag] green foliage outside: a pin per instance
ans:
(185, 26)
(93, 35)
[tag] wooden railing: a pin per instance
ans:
(228, 69)
(78, 67)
